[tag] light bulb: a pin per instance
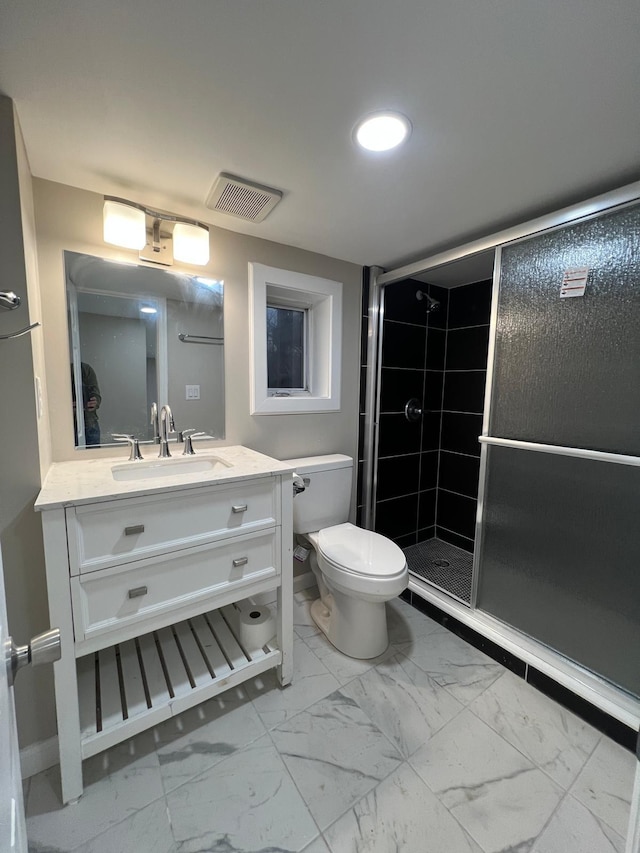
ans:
(124, 225)
(382, 131)
(191, 244)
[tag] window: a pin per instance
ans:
(295, 341)
(287, 350)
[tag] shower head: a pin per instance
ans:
(432, 304)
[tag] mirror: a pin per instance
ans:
(142, 335)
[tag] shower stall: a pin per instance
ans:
(500, 439)
(433, 361)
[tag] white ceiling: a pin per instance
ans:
(518, 107)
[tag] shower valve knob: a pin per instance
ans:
(413, 410)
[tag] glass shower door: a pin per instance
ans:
(560, 551)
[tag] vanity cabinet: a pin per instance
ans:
(145, 592)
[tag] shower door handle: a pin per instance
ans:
(413, 410)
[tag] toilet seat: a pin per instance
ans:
(360, 551)
(360, 560)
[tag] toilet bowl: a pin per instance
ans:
(357, 570)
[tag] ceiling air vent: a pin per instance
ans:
(242, 198)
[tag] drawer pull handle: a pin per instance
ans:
(137, 592)
(239, 508)
(241, 561)
(135, 528)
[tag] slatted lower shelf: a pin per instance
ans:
(128, 687)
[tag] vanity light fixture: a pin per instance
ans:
(382, 131)
(160, 237)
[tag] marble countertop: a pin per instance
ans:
(91, 480)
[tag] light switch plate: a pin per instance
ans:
(192, 392)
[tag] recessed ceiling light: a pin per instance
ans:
(382, 131)
(147, 309)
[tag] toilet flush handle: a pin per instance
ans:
(299, 484)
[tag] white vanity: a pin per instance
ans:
(144, 563)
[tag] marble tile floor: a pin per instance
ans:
(431, 748)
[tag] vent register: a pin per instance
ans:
(241, 198)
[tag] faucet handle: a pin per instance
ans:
(134, 444)
(186, 435)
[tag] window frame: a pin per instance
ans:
(322, 300)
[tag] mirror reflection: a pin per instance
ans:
(141, 336)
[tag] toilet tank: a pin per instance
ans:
(327, 498)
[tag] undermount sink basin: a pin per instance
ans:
(166, 468)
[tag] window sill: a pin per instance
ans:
(295, 405)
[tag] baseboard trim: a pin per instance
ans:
(39, 756)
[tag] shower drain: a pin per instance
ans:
(446, 567)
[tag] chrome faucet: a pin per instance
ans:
(154, 423)
(167, 425)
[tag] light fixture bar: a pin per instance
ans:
(125, 225)
(157, 214)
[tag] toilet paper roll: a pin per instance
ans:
(257, 625)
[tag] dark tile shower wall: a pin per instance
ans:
(465, 369)
(413, 363)
(428, 470)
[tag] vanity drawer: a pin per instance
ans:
(122, 531)
(144, 592)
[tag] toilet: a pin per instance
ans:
(357, 570)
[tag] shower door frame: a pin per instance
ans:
(379, 279)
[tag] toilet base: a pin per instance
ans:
(356, 628)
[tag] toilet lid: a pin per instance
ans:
(361, 551)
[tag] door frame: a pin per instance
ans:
(13, 833)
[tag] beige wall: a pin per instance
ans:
(20, 530)
(69, 218)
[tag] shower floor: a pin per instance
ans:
(443, 565)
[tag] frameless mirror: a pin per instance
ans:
(139, 336)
